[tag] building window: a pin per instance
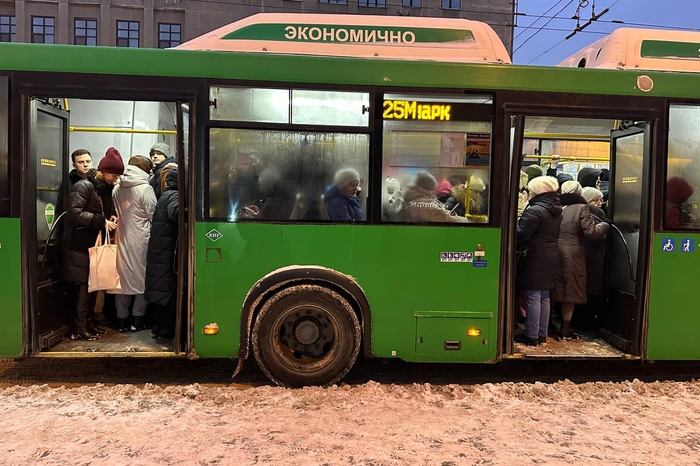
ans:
(451, 4)
(414, 3)
(169, 35)
(373, 3)
(7, 29)
(339, 2)
(127, 33)
(43, 29)
(85, 31)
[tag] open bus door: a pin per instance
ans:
(628, 208)
(46, 152)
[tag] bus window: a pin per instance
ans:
(682, 210)
(327, 108)
(437, 158)
(267, 175)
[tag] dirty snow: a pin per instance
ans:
(631, 423)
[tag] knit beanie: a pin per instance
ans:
(111, 163)
(589, 194)
(425, 180)
(571, 186)
(162, 148)
(345, 176)
(476, 183)
(543, 184)
(533, 171)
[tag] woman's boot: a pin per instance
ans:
(92, 325)
(80, 330)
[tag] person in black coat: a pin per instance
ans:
(538, 232)
(161, 278)
(89, 211)
(160, 156)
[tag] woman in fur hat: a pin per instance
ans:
(341, 199)
(89, 211)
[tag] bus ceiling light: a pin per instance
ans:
(473, 332)
(211, 329)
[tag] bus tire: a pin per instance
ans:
(306, 335)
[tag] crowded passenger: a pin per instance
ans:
(421, 204)
(161, 277)
(589, 177)
(135, 202)
(585, 315)
(577, 225)
(678, 190)
(537, 233)
(342, 202)
(90, 210)
(160, 156)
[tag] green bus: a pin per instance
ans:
(268, 115)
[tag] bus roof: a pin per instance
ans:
(360, 36)
(641, 49)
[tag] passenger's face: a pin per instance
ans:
(597, 183)
(110, 178)
(596, 202)
(157, 157)
(352, 188)
(82, 164)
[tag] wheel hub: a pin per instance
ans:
(307, 333)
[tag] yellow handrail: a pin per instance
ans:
(567, 158)
(121, 130)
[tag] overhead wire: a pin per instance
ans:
(541, 28)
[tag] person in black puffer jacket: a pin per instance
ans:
(161, 278)
(160, 156)
(538, 232)
(89, 210)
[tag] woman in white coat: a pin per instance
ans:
(135, 201)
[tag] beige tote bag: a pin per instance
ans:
(103, 266)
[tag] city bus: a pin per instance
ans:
(267, 115)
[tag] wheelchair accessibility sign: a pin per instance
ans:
(669, 245)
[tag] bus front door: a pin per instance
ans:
(46, 139)
(628, 207)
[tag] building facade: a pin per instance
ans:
(167, 23)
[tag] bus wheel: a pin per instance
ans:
(306, 335)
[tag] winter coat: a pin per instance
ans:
(84, 219)
(538, 232)
(577, 225)
(161, 278)
(595, 257)
(422, 206)
(154, 180)
(135, 202)
(343, 207)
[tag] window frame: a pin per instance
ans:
(87, 29)
(451, 4)
(372, 3)
(44, 35)
(412, 3)
(11, 26)
(129, 30)
(170, 41)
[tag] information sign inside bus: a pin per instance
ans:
(412, 110)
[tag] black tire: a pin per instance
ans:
(306, 335)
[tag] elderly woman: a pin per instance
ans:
(341, 199)
(577, 225)
(538, 232)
